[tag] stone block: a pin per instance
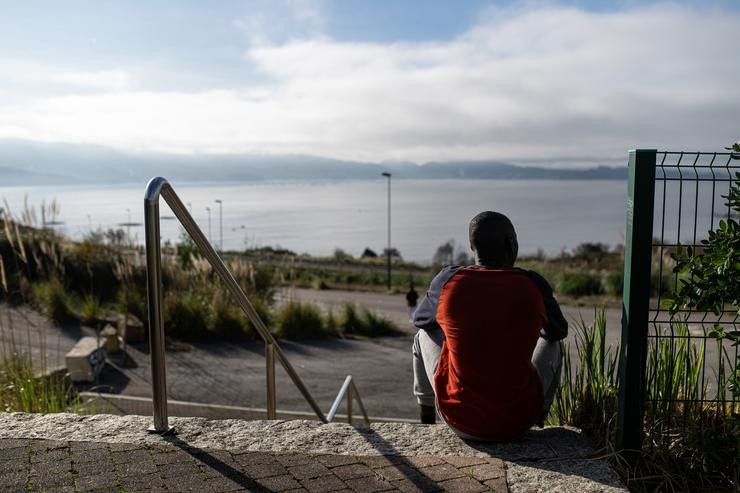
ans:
(131, 328)
(85, 360)
(110, 335)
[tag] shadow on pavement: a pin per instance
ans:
(409, 470)
(201, 455)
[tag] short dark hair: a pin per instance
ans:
(493, 237)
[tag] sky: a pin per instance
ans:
(569, 83)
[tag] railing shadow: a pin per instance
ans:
(224, 469)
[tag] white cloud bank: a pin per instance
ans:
(552, 84)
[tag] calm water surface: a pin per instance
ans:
(318, 217)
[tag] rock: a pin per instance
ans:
(110, 335)
(86, 359)
(131, 328)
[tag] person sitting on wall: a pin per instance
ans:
(488, 352)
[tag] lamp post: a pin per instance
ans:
(220, 224)
(388, 251)
(209, 223)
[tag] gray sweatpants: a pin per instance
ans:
(547, 359)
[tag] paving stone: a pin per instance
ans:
(369, 484)
(133, 468)
(51, 478)
(173, 457)
(90, 468)
(50, 455)
(382, 461)
(11, 480)
(463, 485)
(178, 470)
(122, 447)
(259, 471)
(9, 443)
(441, 472)
(309, 470)
(134, 456)
(464, 461)
(498, 485)
(143, 481)
(14, 453)
(424, 461)
(352, 471)
(294, 459)
(484, 472)
(9, 466)
(106, 479)
(418, 484)
(279, 483)
(253, 458)
(224, 484)
(336, 460)
(323, 484)
(78, 447)
(399, 471)
(186, 483)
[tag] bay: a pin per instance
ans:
(317, 217)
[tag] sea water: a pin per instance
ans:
(318, 217)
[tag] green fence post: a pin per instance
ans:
(636, 297)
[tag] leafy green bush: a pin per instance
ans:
(53, 300)
(580, 284)
(91, 311)
(365, 323)
(186, 315)
(228, 320)
(297, 320)
(615, 283)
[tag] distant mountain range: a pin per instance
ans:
(35, 163)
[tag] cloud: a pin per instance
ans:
(104, 79)
(549, 84)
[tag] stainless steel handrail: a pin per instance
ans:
(160, 187)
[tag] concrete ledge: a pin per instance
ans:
(553, 459)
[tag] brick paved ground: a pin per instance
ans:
(61, 466)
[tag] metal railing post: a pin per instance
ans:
(154, 301)
(271, 394)
(636, 298)
(349, 404)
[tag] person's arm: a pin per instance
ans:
(425, 316)
(557, 327)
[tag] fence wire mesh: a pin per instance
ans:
(688, 366)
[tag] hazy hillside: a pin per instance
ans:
(35, 163)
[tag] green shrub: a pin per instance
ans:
(615, 283)
(227, 319)
(22, 391)
(132, 301)
(580, 284)
(91, 310)
(297, 320)
(186, 315)
(53, 300)
(365, 323)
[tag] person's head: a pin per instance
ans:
(493, 239)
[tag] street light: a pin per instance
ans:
(209, 223)
(388, 251)
(220, 224)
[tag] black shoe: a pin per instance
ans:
(428, 415)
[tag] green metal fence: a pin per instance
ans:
(674, 369)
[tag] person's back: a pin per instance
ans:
(480, 327)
